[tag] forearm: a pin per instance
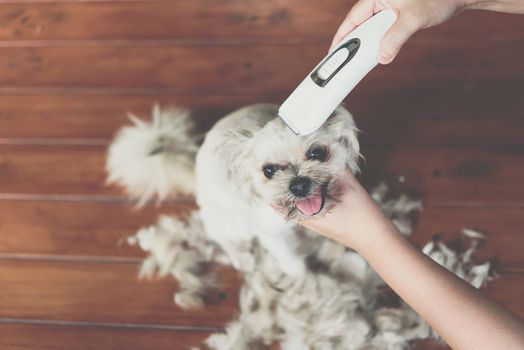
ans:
(457, 311)
(511, 6)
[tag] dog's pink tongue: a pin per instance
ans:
(310, 205)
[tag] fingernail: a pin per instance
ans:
(384, 58)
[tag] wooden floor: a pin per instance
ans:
(445, 121)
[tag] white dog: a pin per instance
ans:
(300, 289)
(249, 163)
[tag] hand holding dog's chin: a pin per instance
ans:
(357, 222)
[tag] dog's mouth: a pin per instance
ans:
(312, 205)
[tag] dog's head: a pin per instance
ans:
(299, 175)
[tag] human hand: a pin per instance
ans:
(356, 221)
(412, 16)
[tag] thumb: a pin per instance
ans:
(404, 27)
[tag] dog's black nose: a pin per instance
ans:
(300, 186)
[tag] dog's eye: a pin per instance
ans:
(269, 170)
(317, 153)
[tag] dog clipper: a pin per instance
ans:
(313, 101)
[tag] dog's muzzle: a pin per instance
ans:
(308, 204)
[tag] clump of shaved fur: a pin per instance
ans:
(399, 209)
(179, 248)
(461, 263)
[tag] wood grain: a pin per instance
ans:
(430, 345)
(60, 337)
(50, 337)
(444, 121)
(407, 118)
(75, 170)
(96, 231)
(456, 177)
(503, 228)
(99, 116)
(104, 293)
(439, 118)
(450, 177)
(244, 68)
(110, 293)
(76, 229)
(273, 19)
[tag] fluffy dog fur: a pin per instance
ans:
(142, 160)
(300, 289)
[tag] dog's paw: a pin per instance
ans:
(242, 261)
(294, 268)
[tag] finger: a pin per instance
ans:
(405, 26)
(360, 12)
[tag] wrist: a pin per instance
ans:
(382, 235)
(361, 222)
(477, 4)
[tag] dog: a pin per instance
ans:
(249, 167)
(251, 164)
(253, 179)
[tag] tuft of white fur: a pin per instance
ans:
(154, 158)
(179, 248)
(461, 263)
(398, 209)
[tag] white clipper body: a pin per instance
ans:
(313, 101)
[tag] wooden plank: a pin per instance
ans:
(508, 291)
(430, 345)
(450, 177)
(52, 337)
(166, 19)
(104, 293)
(457, 177)
(239, 19)
(503, 228)
(76, 229)
(439, 118)
(45, 337)
(99, 116)
(54, 170)
(109, 293)
(402, 118)
(97, 230)
(244, 68)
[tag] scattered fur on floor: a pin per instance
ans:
(461, 263)
(336, 306)
(180, 248)
(300, 290)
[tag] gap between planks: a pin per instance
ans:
(133, 261)
(103, 142)
(182, 42)
(108, 325)
(70, 258)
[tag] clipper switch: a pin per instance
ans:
(333, 63)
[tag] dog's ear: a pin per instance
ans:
(236, 151)
(342, 128)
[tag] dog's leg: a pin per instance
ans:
(280, 246)
(231, 234)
